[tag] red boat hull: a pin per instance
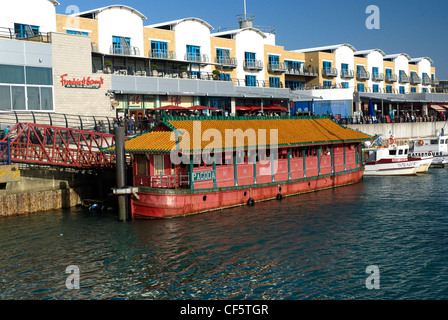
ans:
(168, 203)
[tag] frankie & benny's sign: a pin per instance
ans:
(85, 82)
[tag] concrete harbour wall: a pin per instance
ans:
(404, 130)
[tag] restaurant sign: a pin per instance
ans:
(204, 176)
(85, 82)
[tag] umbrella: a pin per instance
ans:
(371, 111)
(243, 108)
(273, 107)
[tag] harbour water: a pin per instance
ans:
(313, 246)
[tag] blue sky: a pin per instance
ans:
(418, 28)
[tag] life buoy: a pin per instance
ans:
(392, 141)
(251, 202)
(279, 196)
(421, 142)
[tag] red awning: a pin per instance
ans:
(202, 108)
(243, 108)
(171, 107)
(438, 108)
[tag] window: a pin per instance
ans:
(140, 160)
(12, 74)
(193, 53)
(158, 164)
(344, 66)
(159, 49)
(274, 61)
(5, 98)
(250, 59)
(424, 89)
(376, 88)
(121, 45)
(33, 95)
(388, 72)
(274, 82)
(224, 77)
(402, 90)
(392, 152)
(413, 89)
(344, 84)
(294, 65)
(360, 87)
(39, 76)
(25, 30)
(327, 84)
(46, 98)
(18, 98)
(388, 89)
(81, 33)
(251, 81)
(222, 55)
(375, 71)
(295, 84)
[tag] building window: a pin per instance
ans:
(222, 55)
(376, 88)
(80, 33)
(293, 85)
(375, 72)
(274, 61)
(413, 90)
(25, 30)
(389, 89)
(402, 90)
(294, 65)
(327, 66)
(39, 76)
(159, 49)
(327, 84)
(251, 81)
(12, 74)
(5, 98)
(121, 45)
(274, 82)
(344, 84)
(193, 53)
(250, 59)
(224, 77)
(360, 87)
(424, 89)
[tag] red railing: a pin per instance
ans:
(50, 145)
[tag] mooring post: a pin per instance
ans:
(121, 172)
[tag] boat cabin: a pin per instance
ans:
(430, 146)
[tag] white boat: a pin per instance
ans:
(393, 160)
(436, 147)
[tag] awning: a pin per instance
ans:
(438, 108)
(202, 108)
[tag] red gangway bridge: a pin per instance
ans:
(57, 139)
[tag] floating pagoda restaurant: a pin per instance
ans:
(193, 165)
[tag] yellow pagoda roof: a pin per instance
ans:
(244, 133)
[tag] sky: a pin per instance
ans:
(416, 27)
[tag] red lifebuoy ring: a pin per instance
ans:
(421, 142)
(392, 141)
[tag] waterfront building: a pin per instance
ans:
(109, 62)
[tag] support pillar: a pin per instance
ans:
(121, 173)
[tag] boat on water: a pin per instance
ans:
(394, 160)
(436, 147)
(193, 165)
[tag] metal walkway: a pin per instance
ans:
(52, 145)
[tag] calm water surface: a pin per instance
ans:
(313, 246)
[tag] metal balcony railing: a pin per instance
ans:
(415, 79)
(29, 35)
(196, 57)
(227, 62)
(347, 74)
(403, 78)
(435, 82)
(310, 71)
(276, 67)
(426, 80)
(363, 75)
(329, 72)
(253, 64)
(127, 51)
(162, 54)
(378, 76)
(391, 77)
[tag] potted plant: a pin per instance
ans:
(154, 68)
(216, 74)
(107, 66)
(184, 70)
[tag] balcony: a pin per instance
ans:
(226, 62)
(391, 77)
(253, 65)
(162, 54)
(347, 74)
(310, 71)
(403, 78)
(378, 76)
(124, 50)
(415, 79)
(426, 80)
(329, 72)
(363, 75)
(28, 35)
(435, 82)
(196, 57)
(276, 67)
